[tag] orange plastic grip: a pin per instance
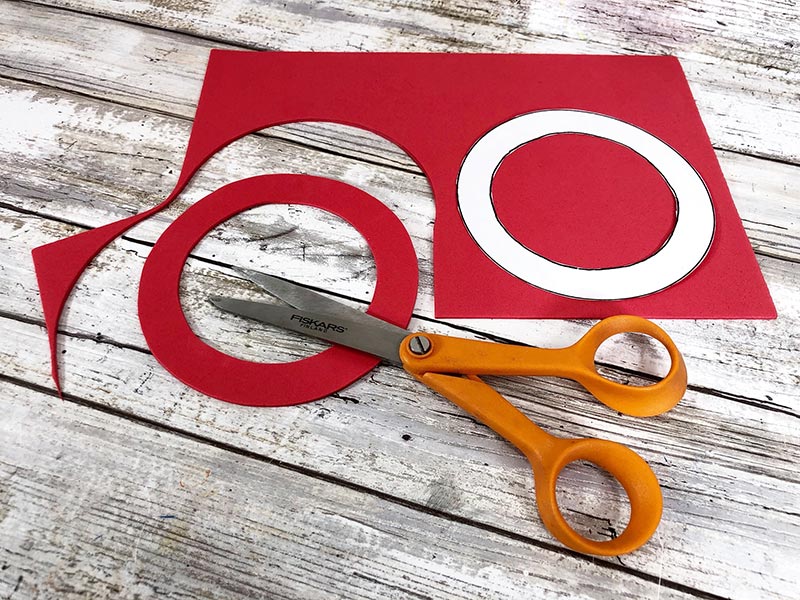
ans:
(637, 401)
(472, 357)
(548, 455)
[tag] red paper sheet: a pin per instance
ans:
(570, 201)
(575, 198)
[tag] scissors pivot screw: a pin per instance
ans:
(419, 345)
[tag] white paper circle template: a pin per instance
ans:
(685, 249)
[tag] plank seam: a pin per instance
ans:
(753, 402)
(333, 480)
(287, 140)
(103, 339)
(230, 45)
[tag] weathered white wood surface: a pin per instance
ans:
(398, 493)
(121, 508)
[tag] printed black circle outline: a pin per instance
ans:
(567, 267)
(564, 264)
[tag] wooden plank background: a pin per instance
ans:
(135, 486)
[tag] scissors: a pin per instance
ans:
(451, 366)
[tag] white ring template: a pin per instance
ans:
(683, 251)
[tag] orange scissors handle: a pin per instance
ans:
(471, 357)
(434, 363)
(549, 455)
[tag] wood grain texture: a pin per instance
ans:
(448, 462)
(747, 106)
(143, 513)
(137, 486)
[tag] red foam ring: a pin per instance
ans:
(231, 379)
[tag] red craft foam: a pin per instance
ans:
(436, 106)
(555, 189)
(222, 376)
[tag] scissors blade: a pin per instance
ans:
(383, 341)
(298, 296)
(310, 301)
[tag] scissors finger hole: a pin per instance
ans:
(592, 501)
(629, 350)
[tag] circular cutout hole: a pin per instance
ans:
(632, 351)
(592, 501)
(303, 244)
